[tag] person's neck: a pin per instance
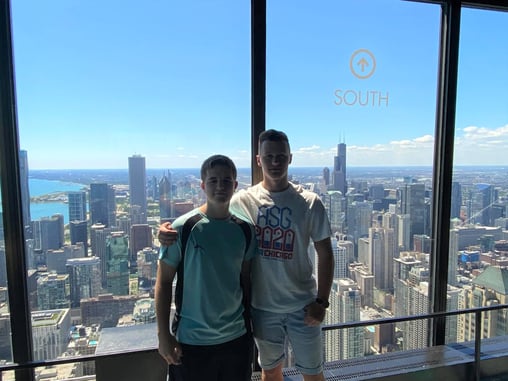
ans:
(215, 212)
(275, 185)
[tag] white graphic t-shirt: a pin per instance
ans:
(286, 222)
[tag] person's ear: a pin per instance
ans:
(290, 158)
(202, 185)
(258, 160)
(236, 185)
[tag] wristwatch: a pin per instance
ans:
(323, 303)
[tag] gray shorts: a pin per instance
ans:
(270, 333)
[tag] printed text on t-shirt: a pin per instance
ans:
(274, 233)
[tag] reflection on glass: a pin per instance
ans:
(478, 238)
(354, 87)
(115, 119)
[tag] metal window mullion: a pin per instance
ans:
(21, 328)
(443, 164)
(258, 80)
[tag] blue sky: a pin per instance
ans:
(99, 81)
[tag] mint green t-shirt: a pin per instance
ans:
(212, 310)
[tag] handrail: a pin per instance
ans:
(414, 317)
(329, 327)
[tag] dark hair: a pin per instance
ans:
(214, 160)
(272, 136)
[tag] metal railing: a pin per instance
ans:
(477, 341)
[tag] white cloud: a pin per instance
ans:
(472, 146)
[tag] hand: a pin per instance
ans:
(314, 314)
(167, 235)
(170, 350)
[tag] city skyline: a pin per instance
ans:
(176, 91)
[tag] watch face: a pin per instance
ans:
(324, 303)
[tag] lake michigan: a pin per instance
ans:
(39, 187)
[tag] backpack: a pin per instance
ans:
(186, 230)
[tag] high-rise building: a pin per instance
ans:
(25, 191)
(165, 197)
(345, 306)
(137, 185)
(84, 279)
(344, 254)
(339, 169)
(106, 309)
(335, 205)
(456, 203)
(53, 291)
(488, 288)
(382, 252)
(79, 233)
(117, 265)
(365, 280)
(358, 219)
(102, 204)
(326, 176)
(462, 238)
(48, 232)
(140, 237)
(77, 206)
(50, 332)
(412, 202)
(147, 269)
(57, 259)
(480, 204)
(98, 235)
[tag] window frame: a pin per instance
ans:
(442, 172)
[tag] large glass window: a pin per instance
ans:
(479, 218)
(5, 323)
(354, 86)
(118, 105)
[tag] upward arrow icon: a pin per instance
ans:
(362, 63)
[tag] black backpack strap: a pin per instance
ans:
(247, 232)
(186, 230)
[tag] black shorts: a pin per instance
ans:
(229, 361)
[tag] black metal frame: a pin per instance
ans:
(443, 162)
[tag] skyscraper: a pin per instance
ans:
(137, 185)
(102, 204)
(326, 175)
(117, 265)
(165, 196)
(25, 192)
(339, 169)
(140, 237)
(49, 232)
(79, 233)
(84, 278)
(345, 306)
(77, 206)
(412, 202)
(481, 199)
(456, 203)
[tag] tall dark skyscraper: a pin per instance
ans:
(137, 185)
(79, 233)
(77, 206)
(456, 200)
(102, 204)
(412, 202)
(326, 175)
(339, 169)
